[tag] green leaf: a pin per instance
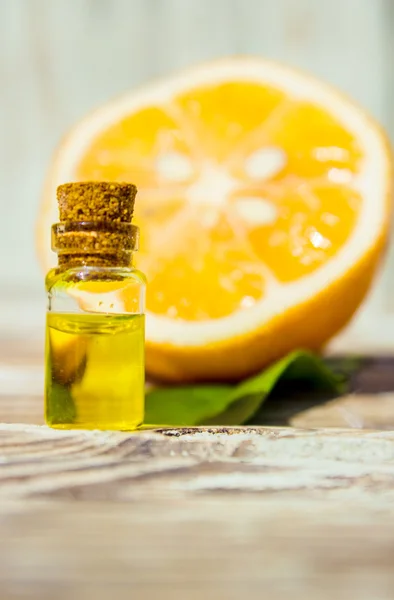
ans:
(234, 405)
(185, 405)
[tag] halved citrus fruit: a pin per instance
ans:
(264, 200)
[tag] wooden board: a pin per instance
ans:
(219, 513)
(211, 513)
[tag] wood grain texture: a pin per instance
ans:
(217, 548)
(217, 513)
(214, 513)
(38, 462)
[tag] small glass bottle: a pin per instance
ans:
(95, 321)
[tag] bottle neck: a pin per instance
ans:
(94, 243)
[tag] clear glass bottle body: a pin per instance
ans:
(95, 365)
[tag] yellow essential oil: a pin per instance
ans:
(95, 370)
(95, 321)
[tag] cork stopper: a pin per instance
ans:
(95, 226)
(96, 201)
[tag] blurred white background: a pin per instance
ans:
(60, 58)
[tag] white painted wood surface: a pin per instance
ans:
(60, 58)
(219, 514)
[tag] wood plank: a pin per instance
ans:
(221, 548)
(214, 513)
(37, 462)
(199, 512)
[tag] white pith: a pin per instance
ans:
(371, 182)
